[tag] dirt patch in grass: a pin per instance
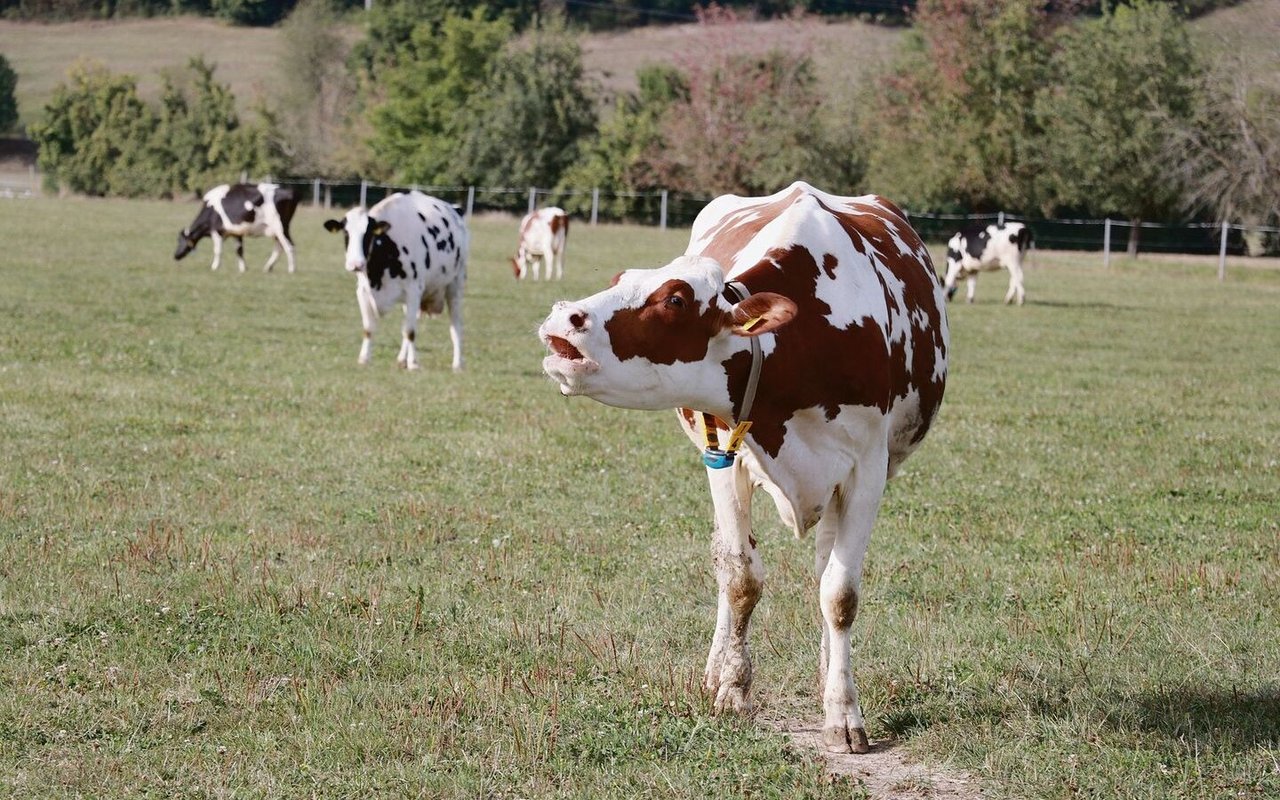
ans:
(886, 772)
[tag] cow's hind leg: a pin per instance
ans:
(842, 537)
(971, 286)
(453, 298)
(273, 258)
(1016, 292)
(740, 578)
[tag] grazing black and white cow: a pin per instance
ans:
(240, 210)
(409, 248)
(975, 250)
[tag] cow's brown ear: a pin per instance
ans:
(761, 313)
(333, 225)
(380, 227)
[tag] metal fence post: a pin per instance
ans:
(595, 204)
(1000, 220)
(662, 223)
(1222, 252)
(533, 198)
(1106, 243)
(315, 192)
(471, 200)
(364, 192)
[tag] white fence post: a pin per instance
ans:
(1106, 243)
(1222, 252)
(663, 216)
(533, 198)
(364, 193)
(315, 192)
(471, 200)
(595, 204)
(1000, 220)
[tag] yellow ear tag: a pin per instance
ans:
(751, 323)
(739, 433)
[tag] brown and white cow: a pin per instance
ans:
(820, 321)
(543, 234)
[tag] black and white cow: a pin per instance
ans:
(409, 248)
(240, 210)
(975, 250)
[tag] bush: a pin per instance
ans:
(8, 102)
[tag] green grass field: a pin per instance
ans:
(234, 564)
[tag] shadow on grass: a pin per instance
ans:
(1241, 720)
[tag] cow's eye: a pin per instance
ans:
(675, 301)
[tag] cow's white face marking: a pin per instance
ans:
(356, 223)
(584, 359)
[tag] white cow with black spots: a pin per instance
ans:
(409, 248)
(975, 250)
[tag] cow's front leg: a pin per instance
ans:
(408, 357)
(740, 581)
(273, 258)
(240, 252)
(369, 322)
(216, 238)
(842, 537)
(971, 286)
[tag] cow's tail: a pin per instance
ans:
(1023, 238)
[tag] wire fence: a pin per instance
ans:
(664, 209)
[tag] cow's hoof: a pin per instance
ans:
(733, 700)
(842, 739)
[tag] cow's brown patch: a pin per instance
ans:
(671, 326)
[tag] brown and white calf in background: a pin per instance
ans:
(818, 320)
(543, 235)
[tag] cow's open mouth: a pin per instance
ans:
(562, 348)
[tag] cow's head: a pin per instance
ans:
(365, 240)
(186, 243)
(656, 338)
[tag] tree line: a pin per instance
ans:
(1021, 105)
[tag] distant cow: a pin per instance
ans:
(240, 210)
(977, 250)
(409, 248)
(803, 339)
(542, 241)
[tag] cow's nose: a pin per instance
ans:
(576, 316)
(578, 319)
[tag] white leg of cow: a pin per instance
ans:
(240, 252)
(971, 285)
(273, 258)
(453, 297)
(369, 320)
(216, 238)
(288, 253)
(408, 357)
(1015, 284)
(740, 578)
(848, 521)
(558, 258)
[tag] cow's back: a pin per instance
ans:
(431, 238)
(871, 329)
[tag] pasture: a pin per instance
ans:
(232, 563)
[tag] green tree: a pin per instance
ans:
(200, 140)
(1228, 154)
(951, 122)
(617, 156)
(8, 100)
(527, 123)
(430, 93)
(1123, 79)
(95, 134)
(316, 94)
